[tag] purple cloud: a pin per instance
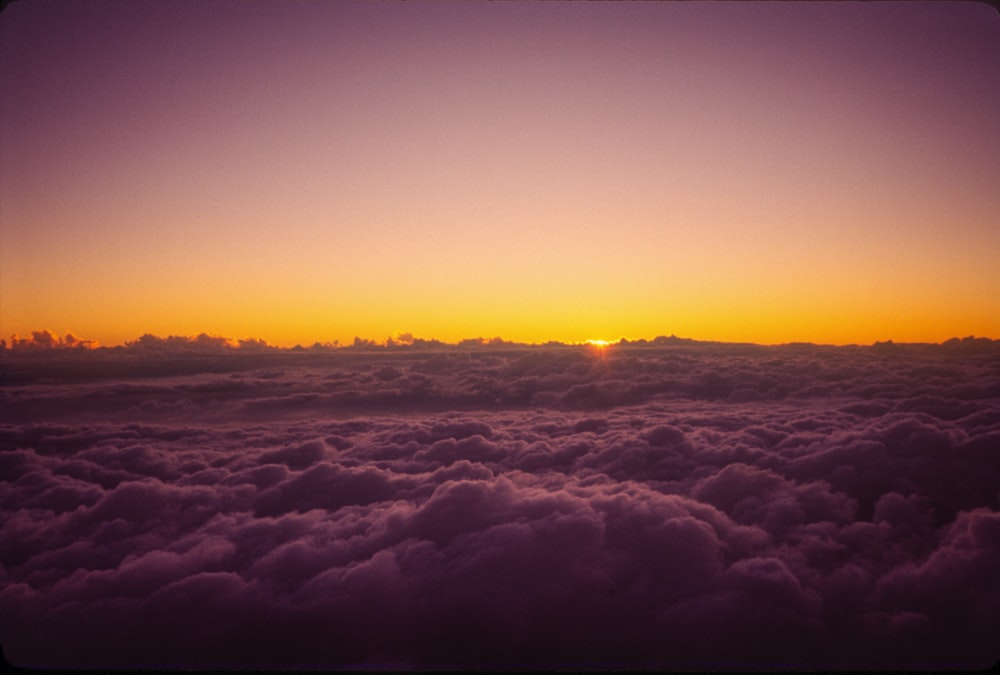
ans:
(671, 505)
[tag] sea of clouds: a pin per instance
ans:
(665, 504)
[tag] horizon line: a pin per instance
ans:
(45, 339)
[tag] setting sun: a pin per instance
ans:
(599, 346)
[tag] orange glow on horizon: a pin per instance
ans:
(46, 338)
(733, 172)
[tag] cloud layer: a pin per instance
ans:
(654, 505)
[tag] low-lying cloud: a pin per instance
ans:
(664, 505)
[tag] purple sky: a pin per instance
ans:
(303, 171)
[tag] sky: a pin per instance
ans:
(315, 171)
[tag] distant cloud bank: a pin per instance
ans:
(41, 340)
(661, 504)
(46, 339)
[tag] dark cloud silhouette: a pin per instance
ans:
(662, 504)
(44, 340)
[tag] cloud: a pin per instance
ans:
(44, 340)
(461, 507)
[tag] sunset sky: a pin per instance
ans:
(313, 171)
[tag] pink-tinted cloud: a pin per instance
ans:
(460, 507)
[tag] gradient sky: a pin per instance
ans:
(303, 171)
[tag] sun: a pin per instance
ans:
(598, 347)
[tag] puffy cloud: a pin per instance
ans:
(46, 339)
(663, 505)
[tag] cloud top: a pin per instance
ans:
(649, 506)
